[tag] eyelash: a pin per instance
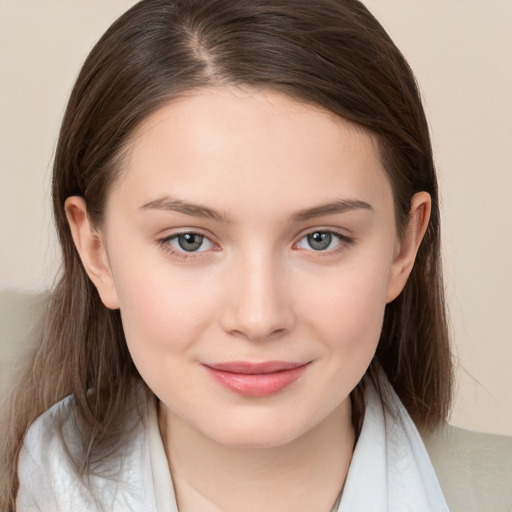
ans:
(344, 242)
(183, 255)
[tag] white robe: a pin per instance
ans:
(390, 469)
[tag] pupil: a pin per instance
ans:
(190, 241)
(319, 240)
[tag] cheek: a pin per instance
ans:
(163, 312)
(347, 309)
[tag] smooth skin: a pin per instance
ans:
(208, 247)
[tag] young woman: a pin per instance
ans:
(250, 314)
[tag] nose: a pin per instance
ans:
(258, 306)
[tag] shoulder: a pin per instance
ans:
(50, 463)
(46, 468)
(473, 468)
(53, 432)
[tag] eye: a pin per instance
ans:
(190, 242)
(321, 241)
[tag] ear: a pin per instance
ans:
(408, 245)
(92, 251)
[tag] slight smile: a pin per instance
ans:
(256, 379)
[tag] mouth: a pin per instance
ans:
(256, 379)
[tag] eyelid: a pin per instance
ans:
(345, 241)
(164, 242)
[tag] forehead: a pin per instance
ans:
(257, 146)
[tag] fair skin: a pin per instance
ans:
(251, 176)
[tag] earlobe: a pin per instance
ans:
(90, 247)
(408, 246)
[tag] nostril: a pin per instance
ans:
(255, 335)
(261, 309)
(278, 333)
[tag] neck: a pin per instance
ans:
(305, 474)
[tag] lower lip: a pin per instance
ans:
(257, 384)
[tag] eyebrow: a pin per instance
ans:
(177, 205)
(340, 206)
(197, 210)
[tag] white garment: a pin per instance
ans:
(390, 468)
(50, 482)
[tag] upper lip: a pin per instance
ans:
(249, 368)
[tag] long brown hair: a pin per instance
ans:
(331, 53)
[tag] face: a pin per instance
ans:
(250, 245)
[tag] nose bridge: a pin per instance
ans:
(260, 305)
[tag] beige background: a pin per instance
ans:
(461, 51)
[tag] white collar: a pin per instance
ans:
(162, 481)
(390, 469)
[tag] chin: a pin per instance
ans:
(251, 439)
(259, 430)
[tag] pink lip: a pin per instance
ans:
(256, 379)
